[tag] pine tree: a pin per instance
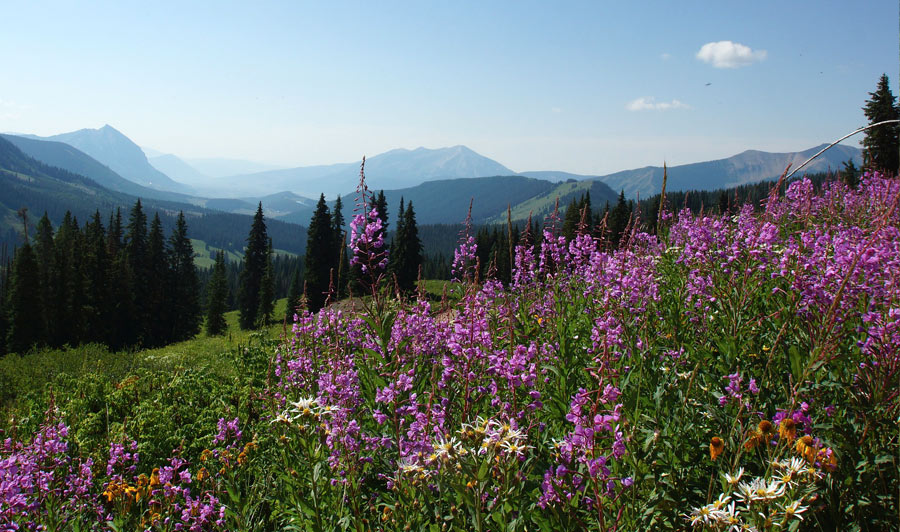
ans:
(135, 247)
(68, 284)
(849, 175)
(342, 273)
(267, 292)
(217, 294)
(155, 311)
(293, 298)
(44, 253)
(185, 289)
(393, 256)
(618, 220)
(881, 147)
(255, 260)
(319, 259)
(24, 313)
(381, 207)
(408, 250)
(97, 299)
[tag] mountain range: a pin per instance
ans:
(440, 182)
(109, 146)
(744, 168)
(400, 168)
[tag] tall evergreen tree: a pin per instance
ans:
(293, 298)
(408, 250)
(217, 294)
(881, 147)
(68, 284)
(135, 246)
(23, 308)
(618, 220)
(185, 288)
(393, 257)
(342, 262)
(155, 312)
(849, 174)
(97, 299)
(267, 291)
(255, 260)
(319, 259)
(381, 207)
(45, 255)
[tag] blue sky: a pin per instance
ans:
(587, 87)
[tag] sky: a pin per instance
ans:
(587, 87)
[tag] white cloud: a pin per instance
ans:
(649, 104)
(665, 56)
(727, 54)
(556, 109)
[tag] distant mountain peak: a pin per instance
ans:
(112, 148)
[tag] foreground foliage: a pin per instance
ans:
(733, 373)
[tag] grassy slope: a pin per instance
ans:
(24, 375)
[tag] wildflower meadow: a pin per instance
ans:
(736, 371)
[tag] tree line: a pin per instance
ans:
(121, 284)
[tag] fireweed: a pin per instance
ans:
(729, 371)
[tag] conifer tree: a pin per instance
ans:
(24, 313)
(44, 253)
(570, 221)
(849, 175)
(115, 234)
(408, 250)
(97, 281)
(381, 207)
(217, 294)
(68, 284)
(319, 259)
(135, 247)
(185, 288)
(293, 299)
(393, 257)
(881, 146)
(267, 291)
(154, 311)
(618, 220)
(255, 260)
(342, 262)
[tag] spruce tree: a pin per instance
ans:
(618, 220)
(184, 292)
(342, 262)
(293, 299)
(881, 146)
(135, 246)
(156, 314)
(97, 269)
(24, 313)
(254, 268)
(44, 253)
(319, 259)
(408, 250)
(570, 221)
(849, 175)
(267, 292)
(68, 284)
(217, 294)
(393, 256)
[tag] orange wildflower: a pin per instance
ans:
(716, 446)
(787, 429)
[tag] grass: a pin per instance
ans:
(26, 375)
